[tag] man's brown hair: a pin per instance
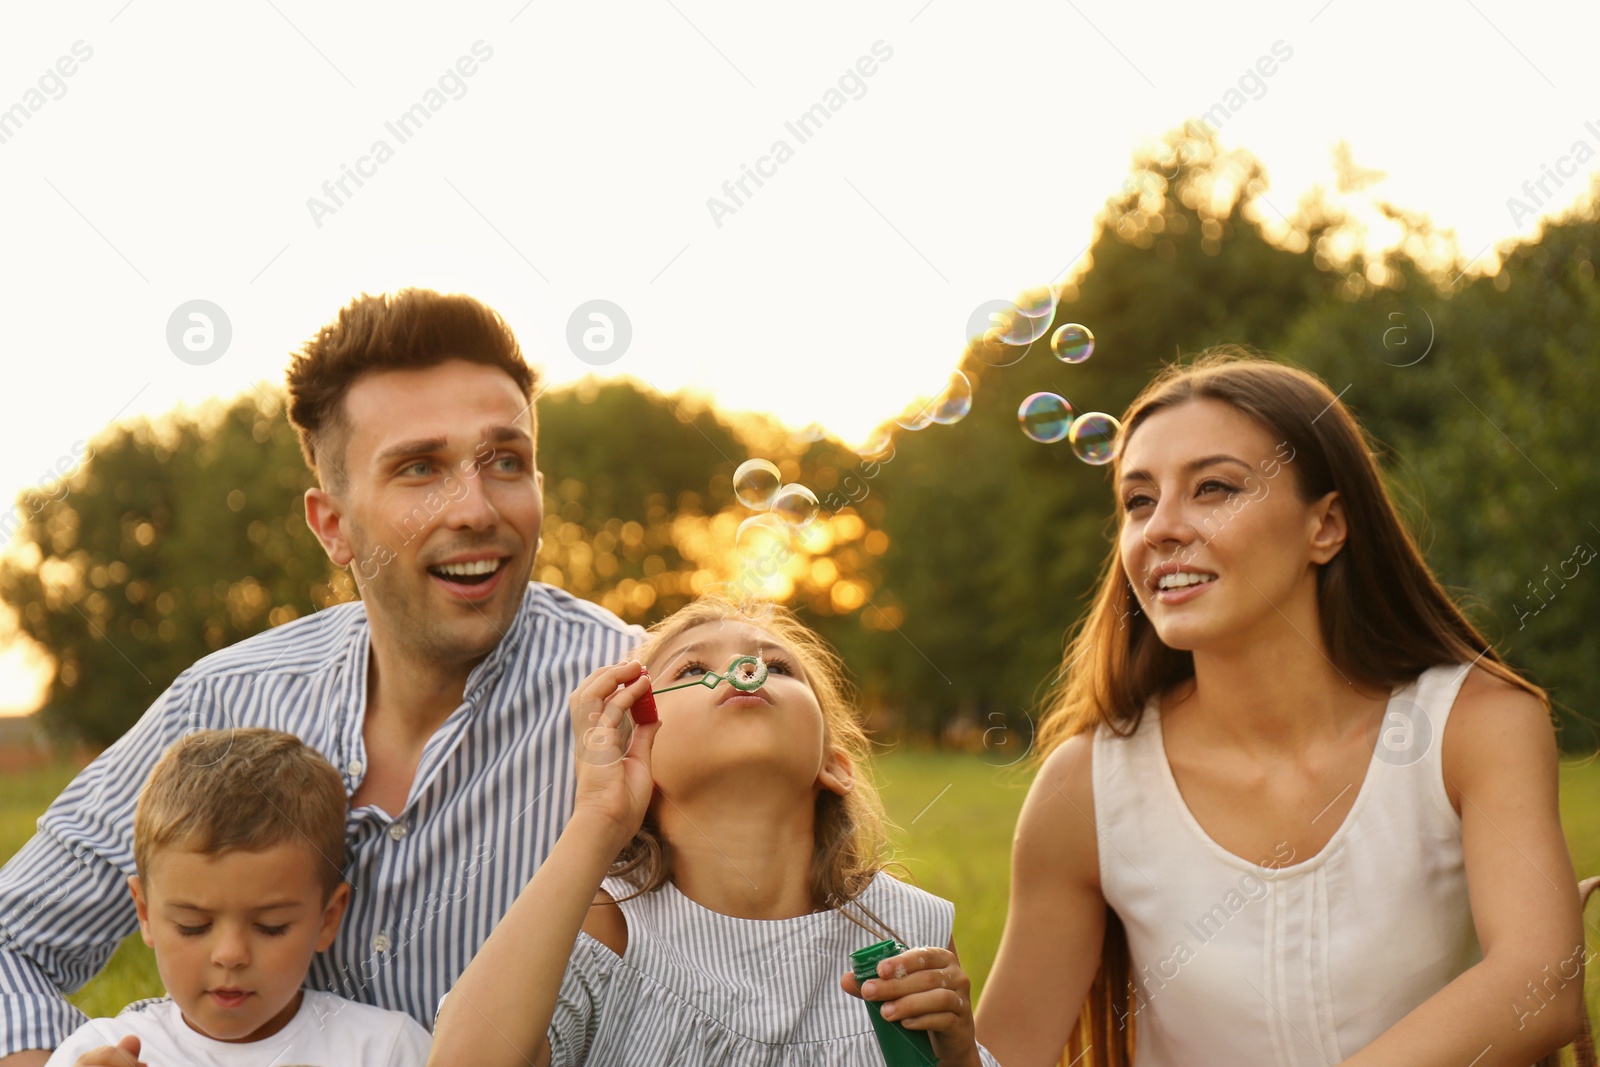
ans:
(408, 330)
(249, 789)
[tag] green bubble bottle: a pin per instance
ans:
(901, 1047)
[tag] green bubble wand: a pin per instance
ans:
(745, 673)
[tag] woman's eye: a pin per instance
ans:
(1134, 502)
(1211, 484)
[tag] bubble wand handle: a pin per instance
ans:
(708, 680)
(900, 1047)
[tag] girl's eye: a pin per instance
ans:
(778, 666)
(692, 667)
(192, 931)
(274, 931)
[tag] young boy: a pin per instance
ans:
(239, 845)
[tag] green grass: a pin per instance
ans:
(953, 813)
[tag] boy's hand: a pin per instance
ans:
(925, 989)
(613, 755)
(124, 1053)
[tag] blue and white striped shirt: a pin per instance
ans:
(491, 794)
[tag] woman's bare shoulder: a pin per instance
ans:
(1495, 725)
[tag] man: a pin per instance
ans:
(440, 695)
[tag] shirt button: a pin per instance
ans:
(381, 943)
(397, 830)
(355, 767)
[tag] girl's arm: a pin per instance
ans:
(1525, 998)
(499, 1010)
(1050, 950)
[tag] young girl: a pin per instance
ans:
(1295, 801)
(719, 868)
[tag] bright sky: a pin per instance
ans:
(966, 152)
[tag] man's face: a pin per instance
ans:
(440, 510)
(234, 933)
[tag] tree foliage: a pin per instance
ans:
(948, 569)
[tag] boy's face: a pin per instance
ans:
(234, 933)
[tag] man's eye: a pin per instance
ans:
(417, 469)
(510, 464)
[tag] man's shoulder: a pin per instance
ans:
(307, 644)
(549, 605)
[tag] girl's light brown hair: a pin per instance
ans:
(243, 789)
(850, 830)
(1383, 616)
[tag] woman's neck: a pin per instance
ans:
(1277, 692)
(742, 855)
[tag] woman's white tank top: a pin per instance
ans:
(1298, 965)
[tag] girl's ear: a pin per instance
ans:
(838, 773)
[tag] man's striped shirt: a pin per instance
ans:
(491, 794)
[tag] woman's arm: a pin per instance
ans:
(1050, 950)
(499, 1010)
(1525, 999)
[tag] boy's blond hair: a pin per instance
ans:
(248, 789)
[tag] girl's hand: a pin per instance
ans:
(612, 756)
(925, 989)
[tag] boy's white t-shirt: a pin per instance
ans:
(327, 1031)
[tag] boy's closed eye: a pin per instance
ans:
(196, 931)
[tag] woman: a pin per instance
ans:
(1292, 808)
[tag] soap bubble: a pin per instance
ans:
(1072, 343)
(956, 400)
(795, 504)
(763, 542)
(918, 414)
(1045, 417)
(755, 483)
(987, 327)
(811, 434)
(1094, 437)
(878, 443)
(1039, 303)
(1014, 326)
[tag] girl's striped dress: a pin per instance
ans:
(699, 987)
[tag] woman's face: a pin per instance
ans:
(776, 731)
(1208, 491)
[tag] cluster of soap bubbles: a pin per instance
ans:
(786, 509)
(1046, 417)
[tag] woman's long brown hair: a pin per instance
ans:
(1384, 618)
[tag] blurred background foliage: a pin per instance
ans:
(948, 565)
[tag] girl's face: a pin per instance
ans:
(1206, 488)
(778, 728)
